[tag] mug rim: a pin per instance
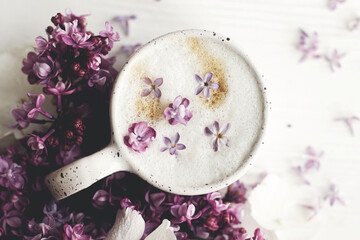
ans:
(247, 161)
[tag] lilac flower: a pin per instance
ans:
(11, 175)
(12, 218)
(43, 230)
(308, 45)
(42, 45)
(154, 87)
(54, 216)
(27, 113)
(333, 195)
(218, 135)
(313, 159)
(124, 21)
(130, 49)
(216, 204)
(201, 232)
(173, 145)
(140, 135)
(229, 232)
(212, 223)
(258, 235)
(177, 111)
(300, 172)
(349, 122)
(94, 62)
(184, 212)
(67, 157)
(28, 63)
(100, 199)
(354, 24)
(45, 68)
(75, 233)
(205, 84)
(236, 192)
(74, 37)
(70, 16)
(332, 4)
(34, 107)
(59, 90)
(233, 214)
(100, 78)
(13, 200)
(155, 201)
(37, 143)
(334, 60)
(110, 34)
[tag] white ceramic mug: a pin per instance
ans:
(86, 171)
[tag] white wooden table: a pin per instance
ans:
(307, 96)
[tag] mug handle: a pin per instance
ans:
(84, 172)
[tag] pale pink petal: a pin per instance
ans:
(177, 101)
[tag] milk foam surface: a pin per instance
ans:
(239, 101)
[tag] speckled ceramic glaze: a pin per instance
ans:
(86, 171)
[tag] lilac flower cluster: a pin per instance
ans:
(211, 216)
(71, 65)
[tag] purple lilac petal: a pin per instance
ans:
(199, 89)
(213, 85)
(157, 93)
(349, 122)
(147, 81)
(198, 79)
(208, 132)
(206, 92)
(145, 92)
(208, 77)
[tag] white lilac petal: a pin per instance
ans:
(206, 92)
(157, 93)
(180, 146)
(208, 132)
(215, 144)
(162, 232)
(198, 79)
(216, 126)
(181, 111)
(199, 89)
(167, 141)
(129, 225)
(158, 82)
(213, 85)
(147, 81)
(176, 138)
(225, 128)
(224, 140)
(146, 92)
(208, 76)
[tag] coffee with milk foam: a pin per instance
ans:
(239, 101)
